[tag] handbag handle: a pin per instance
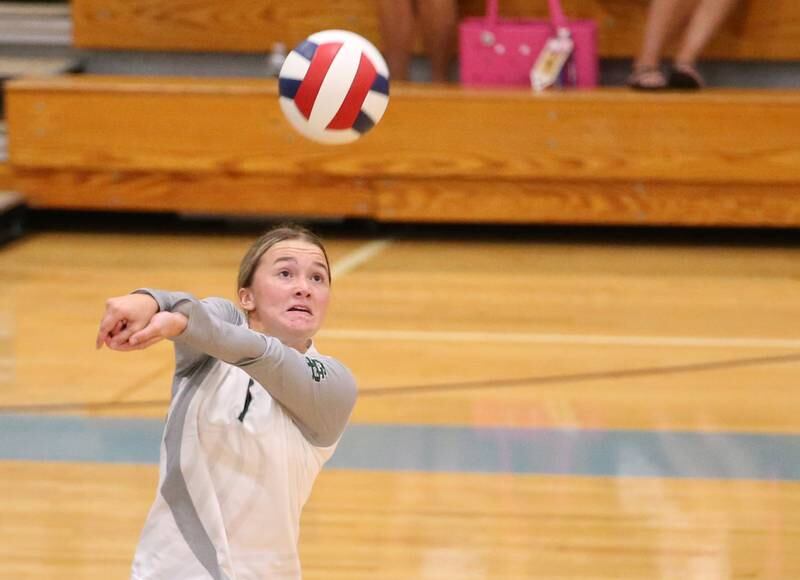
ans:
(491, 10)
(556, 12)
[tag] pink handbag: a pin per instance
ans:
(497, 51)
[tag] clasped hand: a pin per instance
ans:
(133, 322)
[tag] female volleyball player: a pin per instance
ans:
(255, 413)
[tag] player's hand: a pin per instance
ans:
(124, 316)
(162, 325)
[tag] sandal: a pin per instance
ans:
(684, 77)
(647, 79)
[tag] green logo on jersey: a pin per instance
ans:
(318, 371)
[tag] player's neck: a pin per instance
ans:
(300, 344)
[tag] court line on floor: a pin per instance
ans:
(567, 339)
(358, 257)
(612, 374)
(434, 448)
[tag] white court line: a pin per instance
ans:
(575, 339)
(357, 257)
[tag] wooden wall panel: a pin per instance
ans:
(210, 25)
(449, 155)
(758, 29)
(235, 126)
(212, 193)
(604, 202)
(6, 177)
(397, 200)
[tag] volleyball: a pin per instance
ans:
(334, 87)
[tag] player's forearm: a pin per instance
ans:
(187, 355)
(215, 337)
(166, 300)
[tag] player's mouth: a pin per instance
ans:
(300, 308)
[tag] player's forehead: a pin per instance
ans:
(301, 251)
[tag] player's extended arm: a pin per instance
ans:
(319, 393)
(186, 356)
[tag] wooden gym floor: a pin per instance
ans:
(534, 404)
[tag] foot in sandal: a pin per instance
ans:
(648, 78)
(685, 77)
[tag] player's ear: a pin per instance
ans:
(246, 299)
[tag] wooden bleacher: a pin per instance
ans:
(221, 146)
(6, 177)
(757, 30)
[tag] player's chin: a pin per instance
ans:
(302, 326)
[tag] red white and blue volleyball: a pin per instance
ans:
(334, 87)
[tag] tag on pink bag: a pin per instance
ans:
(550, 65)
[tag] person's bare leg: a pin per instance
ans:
(438, 19)
(702, 26)
(396, 18)
(664, 17)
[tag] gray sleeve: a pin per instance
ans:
(186, 357)
(318, 392)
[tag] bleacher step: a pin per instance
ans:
(757, 30)
(19, 66)
(440, 154)
(12, 67)
(39, 24)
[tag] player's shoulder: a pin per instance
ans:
(314, 354)
(321, 364)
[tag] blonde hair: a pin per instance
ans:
(281, 233)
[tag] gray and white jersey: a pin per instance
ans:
(250, 425)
